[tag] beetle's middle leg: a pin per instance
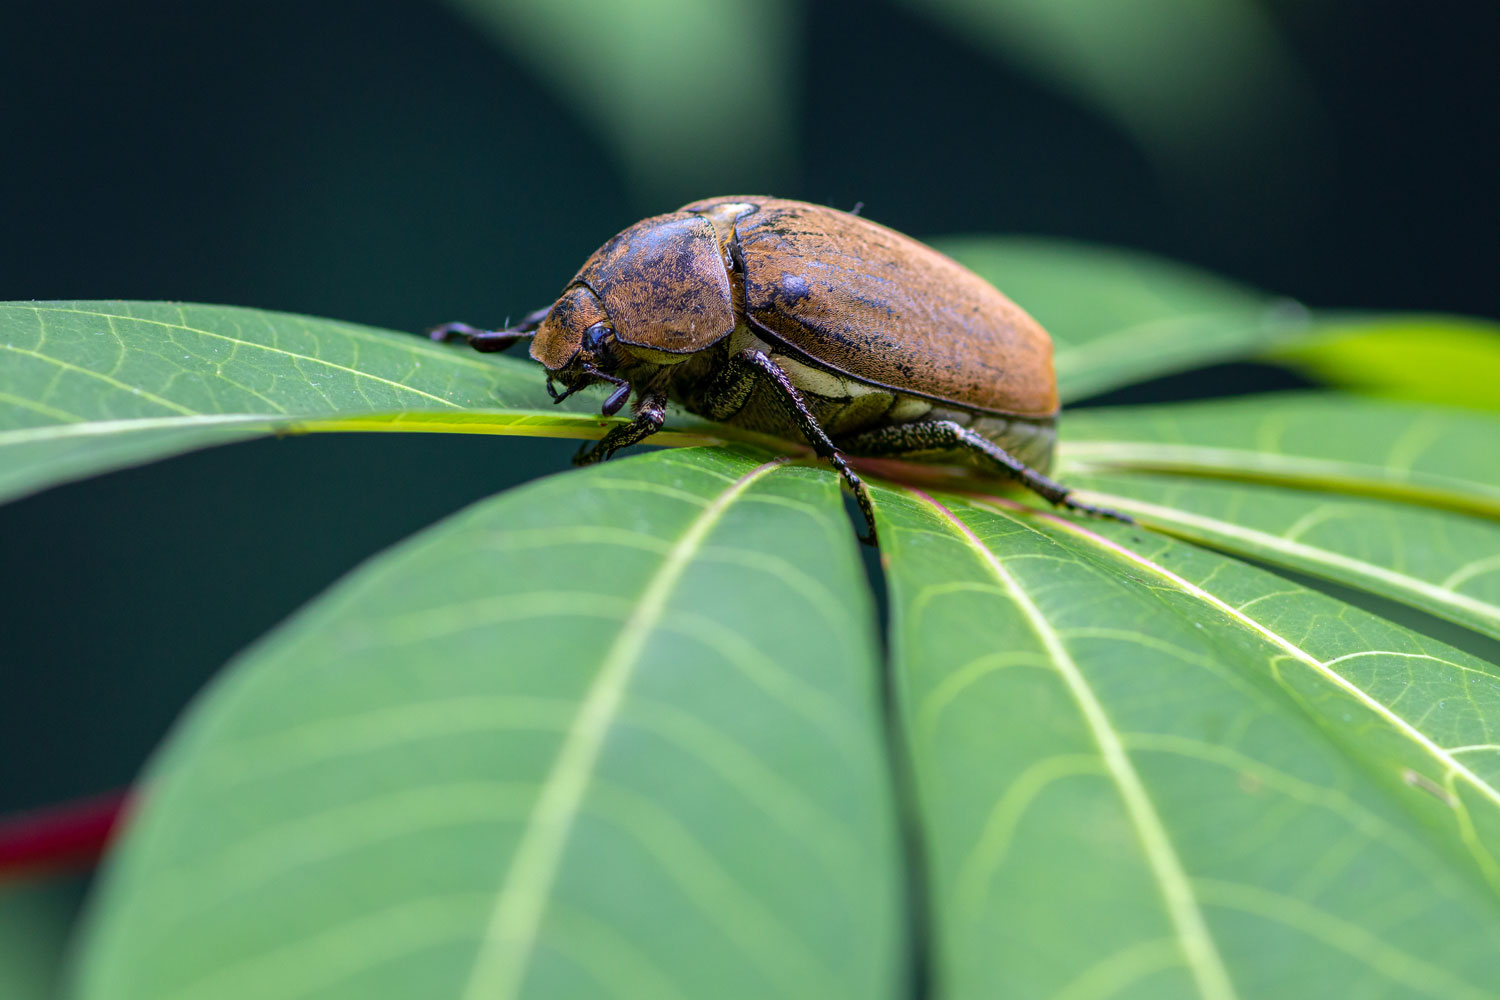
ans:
(733, 385)
(939, 435)
(650, 413)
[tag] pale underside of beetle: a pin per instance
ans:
(806, 324)
(847, 408)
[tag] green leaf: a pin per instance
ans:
(86, 387)
(1447, 360)
(1416, 454)
(1147, 770)
(615, 733)
(1118, 316)
(1442, 562)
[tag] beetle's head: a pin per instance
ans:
(576, 343)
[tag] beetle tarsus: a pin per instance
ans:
(1107, 513)
(861, 497)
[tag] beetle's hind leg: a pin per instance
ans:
(733, 385)
(941, 435)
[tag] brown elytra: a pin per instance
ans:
(806, 323)
(877, 305)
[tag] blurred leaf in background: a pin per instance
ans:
(1118, 315)
(1450, 360)
(695, 96)
(1193, 82)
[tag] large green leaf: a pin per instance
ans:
(1146, 770)
(620, 732)
(1118, 316)
(90, 386)
(1417, 454)
(1441, 561)
(615, 733)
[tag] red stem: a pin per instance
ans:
(68, 835)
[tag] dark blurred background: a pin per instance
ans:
(400, 162)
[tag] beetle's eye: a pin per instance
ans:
(593, 337)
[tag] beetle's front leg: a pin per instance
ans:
(490, 340)
(733, 385)
(650, 413)
(481, 340)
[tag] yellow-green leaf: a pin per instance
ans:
(1446, 360)
(1344, 444)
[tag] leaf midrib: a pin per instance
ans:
(1362, 479)
(1423, 589)
(1203, 959)
(1325, 670)
(499, 967)
(237, 341)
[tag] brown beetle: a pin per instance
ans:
(801, 321)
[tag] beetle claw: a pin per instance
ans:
(592, 452)
(1105, 513)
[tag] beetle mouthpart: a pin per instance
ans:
(616, 400)
(558, 397)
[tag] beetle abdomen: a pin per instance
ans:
(884, 309)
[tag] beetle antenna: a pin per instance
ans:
(532, 320)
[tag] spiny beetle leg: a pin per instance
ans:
(934, 435)
(650, 414)
(733, 386)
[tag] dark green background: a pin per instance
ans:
(384, 162)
